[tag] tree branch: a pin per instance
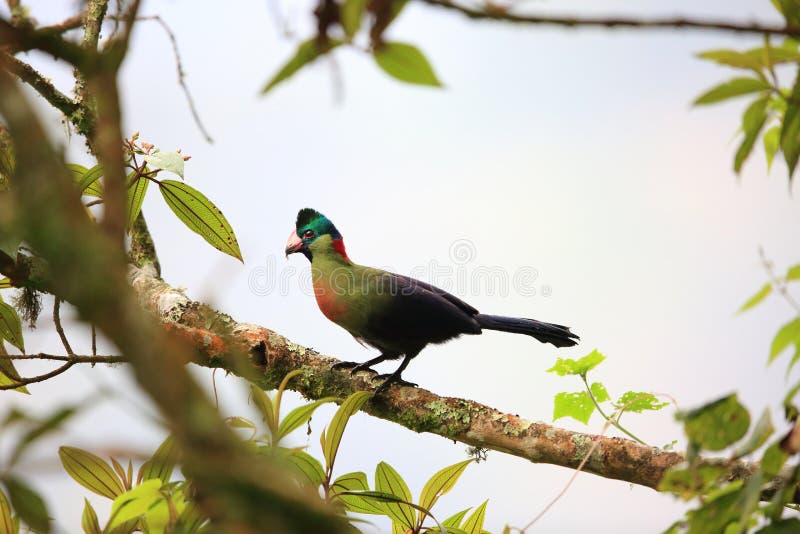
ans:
(42, 85)
(69, 362)
(503, 14)
(466, 421)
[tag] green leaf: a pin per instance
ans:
(793, 273)
(756, 299)
(87, 179)
(307, 52)
(782, 526)
(28, 504)
(6, 520)
(135, 197)
(91, 472)
(299, 416)
(577, 405)
(201, 216)
(639, 401)
(350, 14)
(387, 480)
(732, 58)
(167, 161)
(135, 502)
(5, 283)
(474, 523)
(567, 366)
(8, 373)
(356, 481)
(363, 502)
(89, 520)
(333, 435)
(718, 424)
(455, 519)
(599, 392)
(163, 461)
(440, 483)
(752, 122)
(308, 468)
(51, 423)
(717, 511)
(789, 334)
(689, 482)
(772, 142)
(761, 432)
(730, 89)
(264, 404)
(10, 326)
(790, 132)
(405, 63)
(773, 459)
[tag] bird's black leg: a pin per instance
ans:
(367, 365)
(395, 378)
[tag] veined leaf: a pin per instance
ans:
(406, 63)
(756, 299)
(8, 373)
(167, 161)
(28, 504)
(5, 283)
(307, 52)
(387, 480)
(567, 366)
(307, 466)
(731, 89)
(752, 122)
(455, 519)
(333, 436)
(264, 404)
(365, 502)
(89, 520)
(87, 179)
(10, 326)
(135, 197)
(91, 472)
(718, 424)
(356, 481)
(299, 416)
(687, 482)
(474, 523)
(163, 461)
(577, 405)
(6, 521)
(440, 483)
(201, 216)
(135, 502)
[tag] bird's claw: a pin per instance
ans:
(388, 380)
(356, 367)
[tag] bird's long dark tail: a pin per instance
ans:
(555, 334)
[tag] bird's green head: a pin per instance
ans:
(310, 226)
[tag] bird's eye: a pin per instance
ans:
(308, 234)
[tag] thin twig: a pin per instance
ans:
(75, 358)
(504, 15)
(606, 417)
(94, 340)
(59, 328)
(181, 74)
(42, 85)
(778, 283)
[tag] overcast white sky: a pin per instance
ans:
(572, 152)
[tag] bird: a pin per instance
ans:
(395, 314)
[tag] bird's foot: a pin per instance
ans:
(388, 380)
(356, 367)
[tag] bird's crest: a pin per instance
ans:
(306, 216)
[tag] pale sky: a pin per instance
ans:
(572, 152)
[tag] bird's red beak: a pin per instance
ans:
(294, 244)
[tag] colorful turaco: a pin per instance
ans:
(393, 313)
